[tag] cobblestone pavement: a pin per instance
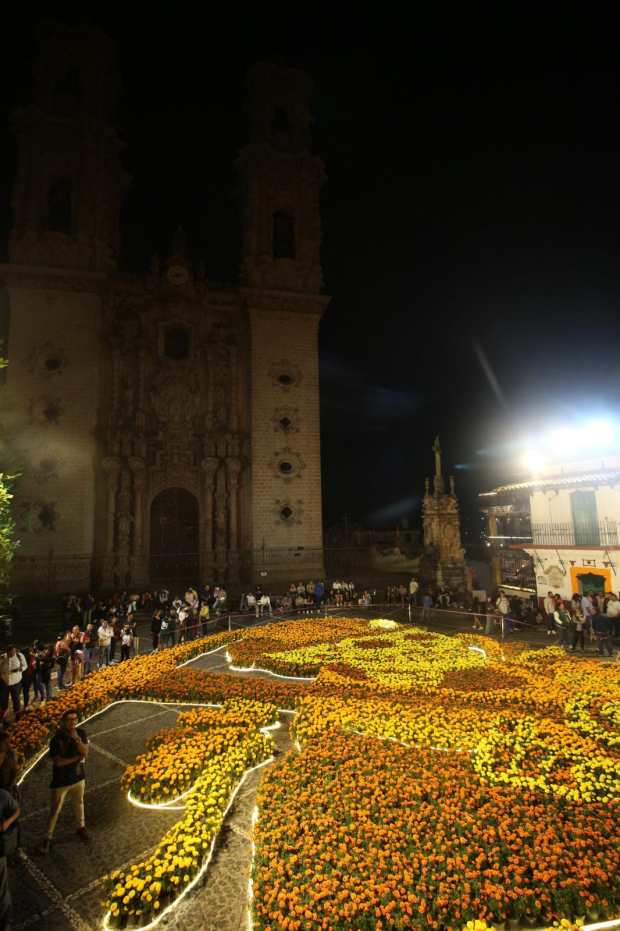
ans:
(63, 889)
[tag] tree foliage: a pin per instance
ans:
(7, 526)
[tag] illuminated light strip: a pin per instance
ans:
(199, 656)
(269, 672)
(106, 921)
(613, 923)
(250, 883)
(167, 805)
(478, 650)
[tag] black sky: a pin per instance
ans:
(472, 198)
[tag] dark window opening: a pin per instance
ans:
(53, 364)
(48, 465)
(280, 122)
(285, 423)
(58, 216)
(176, 344)
(285, 467)
(285, 379)
(283, 236)
(286, 513)
(70, 84)
(51, 413)
(48, 515)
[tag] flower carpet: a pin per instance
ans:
(435, 781)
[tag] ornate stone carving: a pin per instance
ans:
(47, 360)
(38, 516)
(286, 420)
(46, 410)
(287, 465)
(288, 511)
(175, 399)
(285, 374)
(45, 462)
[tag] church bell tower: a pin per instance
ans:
(69, 182)
(278, 196)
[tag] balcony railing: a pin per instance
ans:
(581, 533)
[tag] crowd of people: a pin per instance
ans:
(97, 633)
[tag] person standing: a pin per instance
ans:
(319, 592)
(104, 636)
(156, 629)
(427, 604)
(549, 606)
(562, 623)
(9, 813)
(503, 606)
(413, 592)
(48, 659)
(68, 752)
(587, 604)
(87, 609)
(600, 626)
(126, 641)
(116, 635)
(613, 613)
(579, 632)
(38, 650)
(17, 667)
(89, 648)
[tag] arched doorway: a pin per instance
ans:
(174, 549)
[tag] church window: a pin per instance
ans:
(283, 236)
(176, 343)
(53, 364)
(285, 423)
(51, 413)
(280, 122)
(285, 467)
(285, 379)
(70, 84)
(286, 513)
(57, 217)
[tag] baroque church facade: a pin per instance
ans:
(169, 426)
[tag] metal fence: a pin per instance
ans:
(576, 533)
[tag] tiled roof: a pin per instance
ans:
(604, 477)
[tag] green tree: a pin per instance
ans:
(7, 524)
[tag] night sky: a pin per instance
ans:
(470, 219)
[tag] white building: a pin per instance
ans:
(574, 512)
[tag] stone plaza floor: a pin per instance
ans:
(63, 889)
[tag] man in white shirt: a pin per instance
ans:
(17, 666)
(104, 635)
(613, 612)
(549, 606)
(413, 592)
(252, 605)
(265, 603)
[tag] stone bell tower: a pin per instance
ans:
(62, 249)
(69, 181)
(278, 197)
(443, 562)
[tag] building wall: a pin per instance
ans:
(52, 379)
(557, 570)
(285, 344)
(555, 506)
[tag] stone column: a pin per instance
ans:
(137, 468)
(233, 467)
(209, 467)
(111, 467)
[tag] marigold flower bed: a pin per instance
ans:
(434, 784)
